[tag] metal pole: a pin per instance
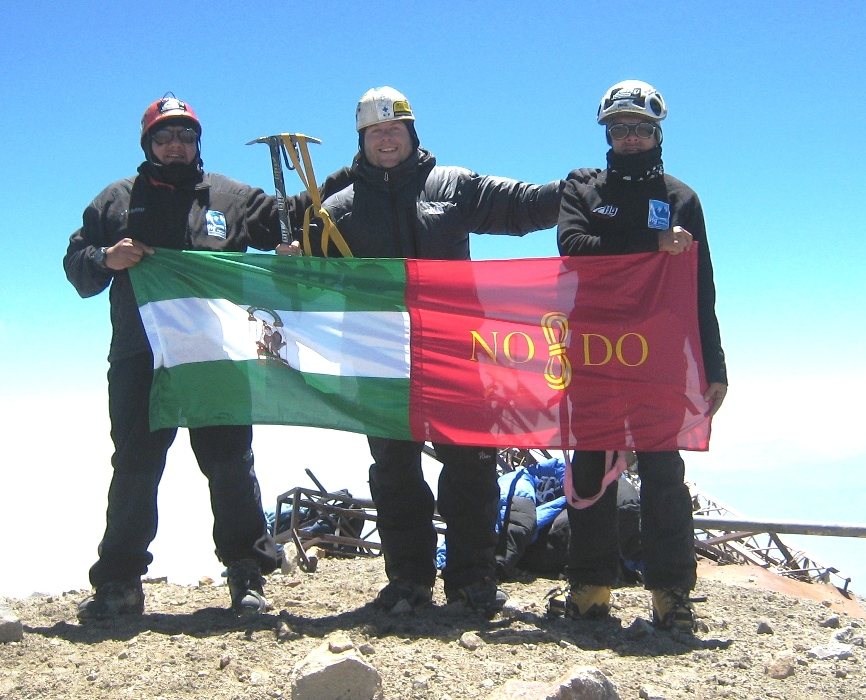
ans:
(784, 527)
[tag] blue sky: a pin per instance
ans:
(764, 103)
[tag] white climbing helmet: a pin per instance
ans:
(632, 97)
(382, 104)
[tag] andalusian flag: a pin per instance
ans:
(584, 352)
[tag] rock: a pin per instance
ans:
(764, 627)
(847, 635)
(285, 632)
(289, 560)
(833, 650)
(338, 643)
(11, 629)
(470, 640)
(783, 666)
(326, 674)
(833, 622)
(647, 692)
(403, 607)
(578, 683)
(639, 628)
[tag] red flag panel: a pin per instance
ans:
(582, 352)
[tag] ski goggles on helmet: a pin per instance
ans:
(186, 136)
(644, 130)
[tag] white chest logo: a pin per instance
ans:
(608, 211)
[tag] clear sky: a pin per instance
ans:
(764, 105)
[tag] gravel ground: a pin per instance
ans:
(187, 645)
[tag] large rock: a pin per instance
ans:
(11, 629)
(578, 683)
(335, 671)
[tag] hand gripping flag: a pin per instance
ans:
(584, 352)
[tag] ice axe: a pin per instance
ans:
(280, 144)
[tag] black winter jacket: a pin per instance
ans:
(420, 210)
(217, 213)
(604, 215)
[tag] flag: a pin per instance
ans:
(581, 352)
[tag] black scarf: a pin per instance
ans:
(636, 166)
(175, 174)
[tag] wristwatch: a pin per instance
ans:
(98, 256)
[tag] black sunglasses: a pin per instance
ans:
(644, 130)
(164, 136)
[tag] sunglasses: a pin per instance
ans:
(643, 130)
(164, 136)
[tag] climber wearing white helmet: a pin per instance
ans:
(634, 207)
(403, 205)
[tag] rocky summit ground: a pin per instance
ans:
(753, 643)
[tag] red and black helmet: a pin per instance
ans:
(168, 107)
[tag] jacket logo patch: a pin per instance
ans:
(216, 224)
(659, 215)
(607, 211)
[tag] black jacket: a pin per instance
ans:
(217, 213)
(420, 210)
(604, 215)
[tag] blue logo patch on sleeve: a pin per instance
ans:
(216, 224)
(659, 215)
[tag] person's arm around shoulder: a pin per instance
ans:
(505, 206)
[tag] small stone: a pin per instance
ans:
(284, 632)
(470, 641)
(764, 627)
(402, 608)
(123, 655)
(225, 661)
(11, 629)
(205, 581)
(639, 628)
(649, 693)
(782, 666)
(367, 649)
(338, 643)
(833, 650)
(833, 622)
(841, 673)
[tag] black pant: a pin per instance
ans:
(667, 528)
(468, 503)
(224, 456)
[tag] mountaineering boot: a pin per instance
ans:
(582, 601)
(415, 594)
(484, 596)
(672, 609)
(111, 599)
(245, 586)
